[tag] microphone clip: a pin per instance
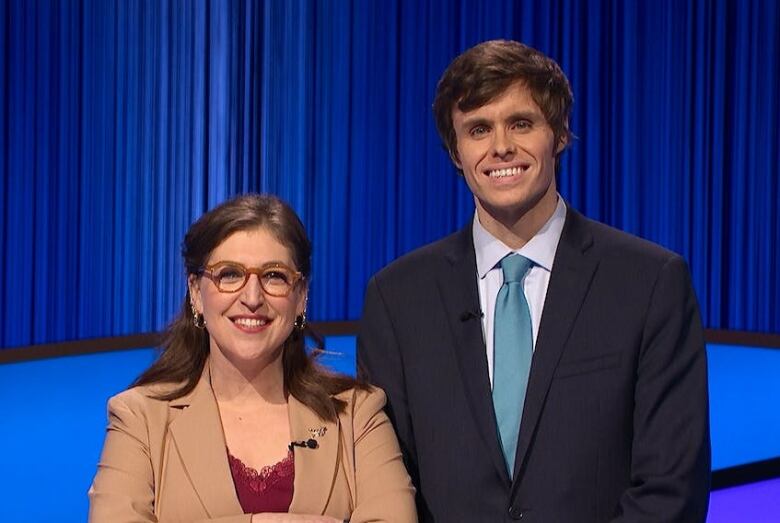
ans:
(471, 315)
(310, 443)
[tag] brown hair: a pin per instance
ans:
(488, 69)
(186, 347)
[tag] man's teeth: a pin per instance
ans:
(250, 322)
(500, 173)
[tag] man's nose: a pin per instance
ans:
(502, 144)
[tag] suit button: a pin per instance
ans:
(515, 513)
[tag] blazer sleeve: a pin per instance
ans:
(670, 461)
(123, 488)
(380, 362)
(384, 491)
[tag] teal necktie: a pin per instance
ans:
(512, 352)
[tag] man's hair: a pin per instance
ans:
(485, 71)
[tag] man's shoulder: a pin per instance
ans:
(427, 258)
(615, 243)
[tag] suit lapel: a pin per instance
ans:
(458, 287)
(315, 469)
(198, 437)
(571, 276)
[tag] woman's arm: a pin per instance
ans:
(384, 490)
(123, 488)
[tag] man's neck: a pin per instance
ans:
(515, 229)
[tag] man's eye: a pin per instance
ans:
(479, 130)
(522, 124)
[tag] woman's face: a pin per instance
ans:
(248, 326)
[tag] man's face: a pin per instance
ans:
(506, 150)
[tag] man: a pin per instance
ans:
(538, 365)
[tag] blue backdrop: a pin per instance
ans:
(53, 423)
(121, 122)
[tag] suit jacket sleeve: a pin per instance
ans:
(670, 461)
(124, 487)
(379, 359)
(384, 491)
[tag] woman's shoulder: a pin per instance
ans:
(143, 397)
(363, 400)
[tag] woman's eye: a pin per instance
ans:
(230, 274)
(276, 276)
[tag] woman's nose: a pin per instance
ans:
(252, 295)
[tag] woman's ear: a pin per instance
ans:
(303, 301)
(193, 284)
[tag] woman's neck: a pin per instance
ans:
(247, 383)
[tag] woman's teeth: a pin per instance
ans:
(250, 322)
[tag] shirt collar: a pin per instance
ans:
(540, 249)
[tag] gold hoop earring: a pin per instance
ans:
(300, 322)
(197, 319)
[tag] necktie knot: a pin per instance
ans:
(514, 267)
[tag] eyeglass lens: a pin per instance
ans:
(275, 280)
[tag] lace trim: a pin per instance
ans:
(259, 481)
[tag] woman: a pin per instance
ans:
(234, 422)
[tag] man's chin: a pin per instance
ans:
(505, 211)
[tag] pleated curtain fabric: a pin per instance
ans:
(122, 122)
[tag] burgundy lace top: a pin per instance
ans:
(269, 490)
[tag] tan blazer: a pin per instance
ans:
(167, 461)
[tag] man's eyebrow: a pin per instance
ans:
(475, 121)
(518, 115)
(524, 115)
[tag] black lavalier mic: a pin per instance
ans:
(471, 315)
(306, 444)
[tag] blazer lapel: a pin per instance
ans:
(198, 438)
(315, 469)
(571, 276)
(458, 288)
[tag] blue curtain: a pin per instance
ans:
(121, 122)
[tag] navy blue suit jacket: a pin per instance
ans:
(615, 424)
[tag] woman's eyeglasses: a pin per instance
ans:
(276, 279)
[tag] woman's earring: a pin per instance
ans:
(300, 322)
(197, 319)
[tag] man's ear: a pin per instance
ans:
(562, 142)
(455, 159)
(193, 284)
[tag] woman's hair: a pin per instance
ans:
(186, 347)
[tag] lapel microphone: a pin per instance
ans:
(471, 315)
(305, 444)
